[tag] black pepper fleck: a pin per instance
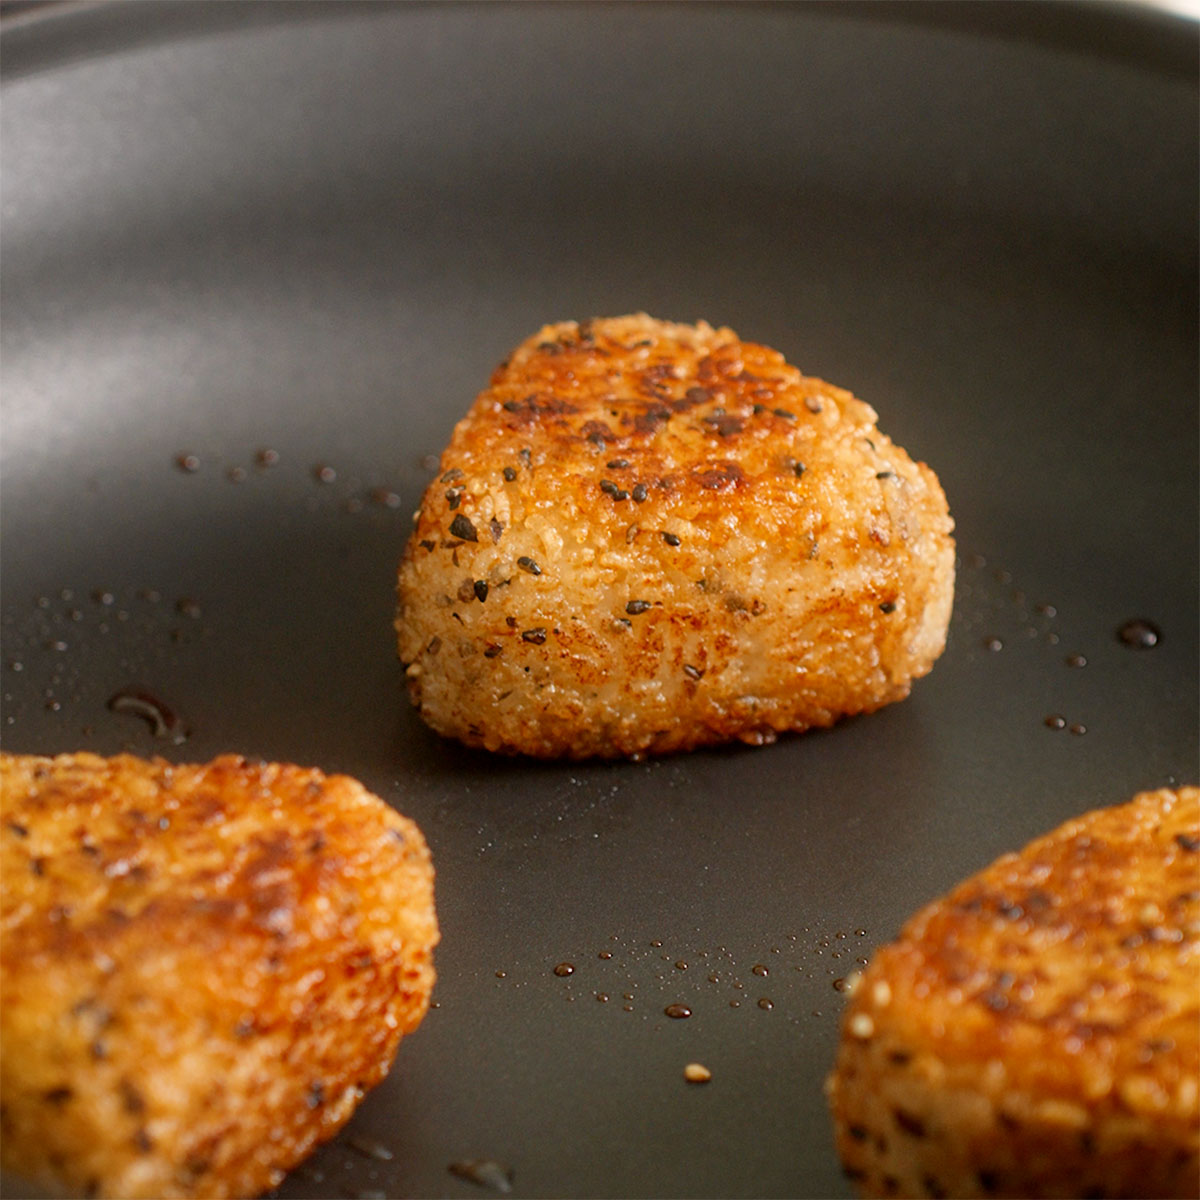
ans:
(637, 606)
(639, 492)
(481, 589)
(1187, 842)
(888, 606)
(536, 636)
(510, 473)
(671, 539)
(617, 464)
(461, 527)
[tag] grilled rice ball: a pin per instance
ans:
(646, 537)
(1037, 1031)
(204, 968)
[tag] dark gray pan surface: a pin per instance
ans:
(314, 230)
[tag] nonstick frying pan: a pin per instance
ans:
(257, 260)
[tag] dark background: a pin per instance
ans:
(314, 230)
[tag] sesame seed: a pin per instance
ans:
(671, 539)
(861, 1026)
(536, 636)
(637, 606)
(510, 473)
(527, 564)
(481, 589)
(639, 492)
(696, 1073)
(617, 464)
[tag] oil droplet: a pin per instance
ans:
(766, 1004)
(486, 1172)
(16, 664)
(187, 607)
(187, 462)
(860, 933)
(1140, 634)
(1047, 610)
(656, 943)
(681, 965)
(324, 473)
(1055, 721)
(385, 498)
(759, 969)
(993, 643)
(677, 1012)
(735, 1004)
(236, 474)
(1077, 728)
(627, 1008)
(164, 722)
(604, 954)
(1075, 660)
(501, 974)
(602, 997)
(353, 505)
(839, 985)
(564, 968)
(267, 457)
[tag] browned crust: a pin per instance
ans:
(721, 547)
(1037, 1031)
(204, 967)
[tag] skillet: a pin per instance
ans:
(257, 259)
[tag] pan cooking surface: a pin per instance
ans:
(259, 259)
